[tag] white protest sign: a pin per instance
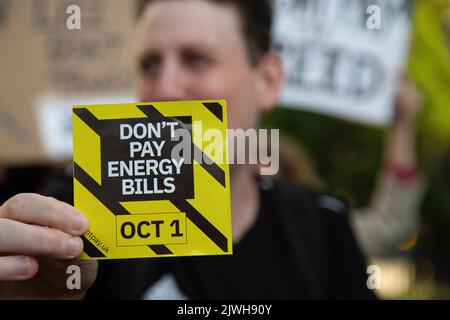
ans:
(343, 57)
(53, 113)
(53, 53)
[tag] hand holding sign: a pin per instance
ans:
(39, 238)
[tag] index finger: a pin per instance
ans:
(44, 211)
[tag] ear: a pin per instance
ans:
(270, 81)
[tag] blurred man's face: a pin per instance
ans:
(192, 50)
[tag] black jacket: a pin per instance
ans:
(300, 247)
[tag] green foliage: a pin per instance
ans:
(346, 156)
(430, 66)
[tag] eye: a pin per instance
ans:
(150, 65)
(195, 61)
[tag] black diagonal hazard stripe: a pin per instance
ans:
(88, 118)
(115, 207)
(91, 250)
(209, 165)
(150, 111)
(160, 249)
(215, 108)
(202, 223)
(215, 171)
(90, 184)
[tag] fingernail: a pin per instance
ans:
(80, 221)
(23, 266)
(73, 247)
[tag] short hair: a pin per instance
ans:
(256, 17)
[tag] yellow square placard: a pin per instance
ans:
(153, 179)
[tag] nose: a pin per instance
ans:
(170, 84)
